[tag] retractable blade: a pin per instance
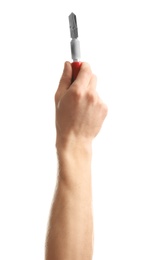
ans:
(75, 46)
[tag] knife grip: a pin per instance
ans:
(75, 69)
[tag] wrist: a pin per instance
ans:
(74, 158)
(74, 146)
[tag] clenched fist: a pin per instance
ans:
(79, 110)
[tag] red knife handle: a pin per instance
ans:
(75, 69)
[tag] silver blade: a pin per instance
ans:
(73, 26)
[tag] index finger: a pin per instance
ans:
(84, 76)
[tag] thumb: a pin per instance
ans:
(66, 77)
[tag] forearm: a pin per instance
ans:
(70, 233)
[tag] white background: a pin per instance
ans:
(34, 43)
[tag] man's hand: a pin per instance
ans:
(79, 117)
(79, 110)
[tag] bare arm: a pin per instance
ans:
(79, 117)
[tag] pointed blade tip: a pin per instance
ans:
(72, 14)
(73, 25)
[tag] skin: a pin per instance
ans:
(80, 113)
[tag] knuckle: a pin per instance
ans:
(104, 109)
(86, 65)
(91, 97)
(86, 70)
(87, 73)
(77, 93)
